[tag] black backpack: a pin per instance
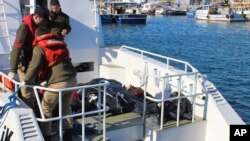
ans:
(170, 109)
(116, 97)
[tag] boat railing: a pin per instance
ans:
(192, 94)
(96, 14)
(101, 88)
(166, 60)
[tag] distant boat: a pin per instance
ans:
(108, 19)
(218, 12)
(190, 14)
(176, 12)
(150, 8)
(243, 8)
(123, 13)
(160, 11)
(131, 18)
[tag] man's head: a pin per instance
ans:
(41, 15)
(42, 30)
(55, 6)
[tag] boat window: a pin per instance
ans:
(24, 6)
(41, 3)
(84, 66)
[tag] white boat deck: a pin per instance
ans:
(211, 117)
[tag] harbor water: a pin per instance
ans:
(219, 50)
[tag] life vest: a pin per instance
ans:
(55, 50)
(28, 21)
(31, 28)
(7, 83)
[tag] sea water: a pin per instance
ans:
(220, 50)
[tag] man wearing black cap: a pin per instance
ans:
(59, 21)
(21, 53)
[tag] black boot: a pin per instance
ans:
(47, 138)
(68, 135)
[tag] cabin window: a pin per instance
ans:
(84, 67)
(134, 11)
(25, 6)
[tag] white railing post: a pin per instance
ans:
(99, 107)
(38, 102)
(142, 55)
(83, 114)
(162, 101)
(194, 97)
(145, 106)
(178, 107)
(167, 64)
(60, 117)
(104, 114)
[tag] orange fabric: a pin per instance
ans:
(28, 21)
(7, 83)
(55, 51)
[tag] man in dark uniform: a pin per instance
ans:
(21, 52)
(51, 62)
(59, 21)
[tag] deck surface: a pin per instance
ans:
(114, 122)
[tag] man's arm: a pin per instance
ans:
(35, 65)
(67, 26)
(18, 45)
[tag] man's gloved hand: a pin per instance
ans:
(11, 75)
(23, 84)
(64, 32)
(43, 84)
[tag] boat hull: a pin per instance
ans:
(175, 12)
(124, 19)
(190, 14)
(132, 19)
(108, 19)
(220, 17)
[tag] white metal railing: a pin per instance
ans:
(167, 59)
(101, 87)
(83, 113)
(192, 94)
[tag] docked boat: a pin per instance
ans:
(242, 8)
(149, 8)
(160, 11)
(175, 12)
(176, 9)
(108, 19)
(218, 12)
(131, 18)
(191, 13)
(123, 13)
(159, 79)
